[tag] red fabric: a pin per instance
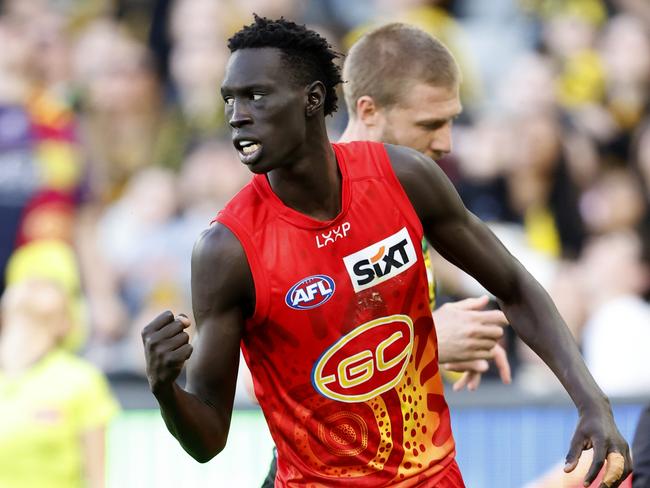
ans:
(347, 377)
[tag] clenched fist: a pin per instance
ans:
(166, 348)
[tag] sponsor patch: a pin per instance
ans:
(340, 232)
(381, 261)
(366, 362)
(310, 292)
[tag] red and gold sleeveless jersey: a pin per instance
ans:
(341, 346)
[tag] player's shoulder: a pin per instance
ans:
(407, 160)
(424, 182)
(217, 243)
(413, 169)
(220, 270)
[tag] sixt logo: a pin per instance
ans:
(310, 292)
(366, 362)
(381, 261)
(335, 234)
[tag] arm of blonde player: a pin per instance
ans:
(467, 337)
(93, 442)
(473, 370)
(467, 333)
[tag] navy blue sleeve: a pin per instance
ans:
(641, 451)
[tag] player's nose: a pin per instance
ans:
(441, 142)
(239, 116)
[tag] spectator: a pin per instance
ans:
(617, 332)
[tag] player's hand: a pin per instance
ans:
(598, 430)
(473, 370)
(166, 348)
(466, 332)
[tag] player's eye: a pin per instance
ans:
(229, 100)
(433, 126)
(256, 96)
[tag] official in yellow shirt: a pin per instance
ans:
(54, 406)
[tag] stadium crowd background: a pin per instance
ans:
(114, 155)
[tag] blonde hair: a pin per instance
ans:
(387, 61)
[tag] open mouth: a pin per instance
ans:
(247, 149)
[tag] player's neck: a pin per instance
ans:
(311, 185)
(357, 131)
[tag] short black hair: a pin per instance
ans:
(307, 54)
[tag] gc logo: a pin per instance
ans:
(366, 362)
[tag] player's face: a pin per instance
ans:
(422, 119)
(264, 108)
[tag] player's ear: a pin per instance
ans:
(367, 111)
(315, 98)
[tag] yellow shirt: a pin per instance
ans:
(42, 416)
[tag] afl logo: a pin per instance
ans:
(310, 292)
(366, 362)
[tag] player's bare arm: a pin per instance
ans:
(222, 296)
(465, 241)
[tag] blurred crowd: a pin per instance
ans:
(114, 155)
